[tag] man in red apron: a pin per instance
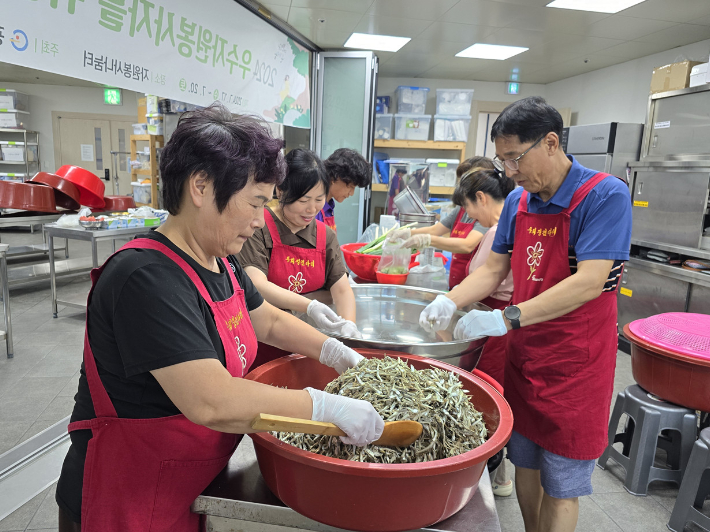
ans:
(347, 170)
(564, 232)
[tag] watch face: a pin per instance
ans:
(512, 313)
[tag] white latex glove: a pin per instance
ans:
(338, 356)
(350, 330)
(399, 234)
(358, 419)
(437, 314)
(417, 242)
(479, 323)
(323, 316)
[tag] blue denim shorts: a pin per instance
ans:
(561, 477)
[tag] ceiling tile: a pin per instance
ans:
(504, 72)
(420, 9)
(277, 2)
(356, 6)
(278, 10)
(678, 35)
(541, 77)
(456, 68)
(485, 13)
(527, 3)
(526, 38)
(553, 20)
(671, 10)
(579, 45)
(306, 20)
(626, 28)
(397, 26)
(466, 34)
(425, 46)
(546, 54)
(634, 49)
(329, 40)
(705, 21)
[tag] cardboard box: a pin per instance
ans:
(672, 77)
(142, 110)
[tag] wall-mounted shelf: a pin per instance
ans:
(381, 187)
(424, 145)
(154, 142)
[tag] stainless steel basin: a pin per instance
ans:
(388, 317)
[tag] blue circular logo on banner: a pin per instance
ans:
(19, 40)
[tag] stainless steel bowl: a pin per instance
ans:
(90, 225)
(388, 317)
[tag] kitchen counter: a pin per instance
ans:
(239, 497)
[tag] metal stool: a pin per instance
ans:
(695, 487)
(652, 423)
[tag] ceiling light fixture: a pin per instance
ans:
(491, 51)
(384, 43)
(598, 6)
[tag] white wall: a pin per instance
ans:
(47, 98)
(617, 93)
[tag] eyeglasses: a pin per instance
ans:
(512, 164)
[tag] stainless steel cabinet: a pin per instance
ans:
(699, 299)
(679, 123)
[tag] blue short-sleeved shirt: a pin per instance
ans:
(600, 226)
(328, 209)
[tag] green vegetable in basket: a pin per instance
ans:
(395, 270)
(375, 247)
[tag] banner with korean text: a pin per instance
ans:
(195, 51)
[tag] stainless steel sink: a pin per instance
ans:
(388, 317)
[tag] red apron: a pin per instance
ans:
(297, 269)
(492, 361)
(559, 374)
(143, 474)
(329, 220)
(459, 261)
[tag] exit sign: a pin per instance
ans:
(513, 88)
(112, 96)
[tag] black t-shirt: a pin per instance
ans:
(145, 314)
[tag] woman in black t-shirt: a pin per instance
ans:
(171, 327)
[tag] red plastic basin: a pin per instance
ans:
(27, 196)
(66, 195)
(391, 278)
(364, 266)
(91, 188)
(677, 378)
(375, 497)
(119, 203)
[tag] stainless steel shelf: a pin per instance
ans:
(11, 130)
(681, 250)
(674, 272)
(20, 163)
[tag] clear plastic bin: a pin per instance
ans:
(383, 126)
(13, 119)
(141, 192)
(451, 128)
(11, 99)
(454, 101)
(140, 129)
(412, 99)
(411, 126)
(15, 151)
(155, 124)
(442, 172)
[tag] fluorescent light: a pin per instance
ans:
(491, 51)
(385, 43)
(598, 6)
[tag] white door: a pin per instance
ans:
(85, 143)
(121, 132)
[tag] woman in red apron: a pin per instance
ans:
(347, 170)
(295, 254)
(171, 329)
(464, 234)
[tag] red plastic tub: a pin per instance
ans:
(66, 195)
(677, 378)
(364, 266)
(91, 188)
(375, 497)
(27, 196)
(119, 203)
(391, 278)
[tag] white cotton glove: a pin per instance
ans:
(338, 356)
(479, 323)
(437, 314)
(350, 330)
(417, 242)
(323, 316)
(358, 419)
(399, 234)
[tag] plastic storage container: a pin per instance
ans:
(13, 119)
(383, 126)
(412, 99)
(151, 104)
(411, 126)
(4, 176)
(140, 129)
(141, 192)
(453, 101)
(451, 128)
(383, 105)
(144, 160)
(442, 172)
(11, 99)
(155, 124)
(15, 151)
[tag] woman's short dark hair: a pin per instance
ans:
(304, 171)
(474, 162)
(490, 182)
(348, 166)
(229, 149)
(528, 119)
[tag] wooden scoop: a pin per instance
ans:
(395, 433)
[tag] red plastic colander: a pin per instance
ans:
(681, 332)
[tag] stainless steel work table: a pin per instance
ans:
(239, 493)
(7, 333)
(90, 235)
(31, 219)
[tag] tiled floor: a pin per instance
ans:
(38, 384)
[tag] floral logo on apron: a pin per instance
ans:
(242, 350)
(297, 282)
(534, 258)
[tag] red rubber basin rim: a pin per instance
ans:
(640, 342)
(437, 467)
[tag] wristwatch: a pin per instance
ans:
(512, 314)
